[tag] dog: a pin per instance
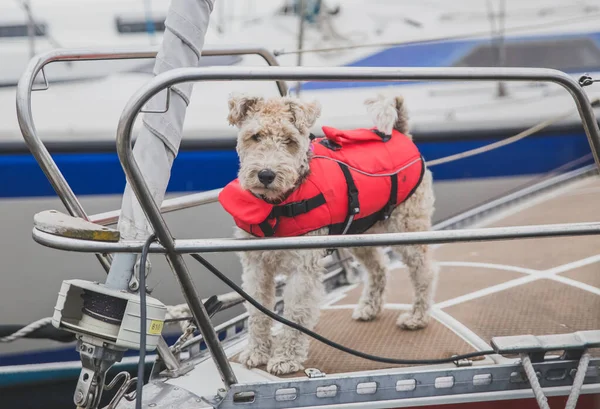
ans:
(275, 149)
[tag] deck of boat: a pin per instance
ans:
(485, 289)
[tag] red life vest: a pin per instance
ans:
(357, 177)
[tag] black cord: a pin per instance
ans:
(142, 361)
(324, 340)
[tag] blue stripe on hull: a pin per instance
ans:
(101, 173)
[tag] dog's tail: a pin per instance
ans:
(388, 113)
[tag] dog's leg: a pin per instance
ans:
(258, 280)
(412, 216)
(423, 274)
(302, 297)
(371, 300)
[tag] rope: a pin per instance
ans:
(578, 382)
(507, 141)
(26, 330)
(499, 144)
(535, 383)
(179, 313)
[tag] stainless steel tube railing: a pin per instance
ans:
(170, 78)
(43, 157)
(25, 115)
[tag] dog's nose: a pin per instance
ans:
(266, 176)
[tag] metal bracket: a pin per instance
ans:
(463, 362)
(43, 87)
(134, 283)
(537, 346)
(167, 105)
(314, 373)
(182, 370)
(96, 361)
(585, 80)
(430, 385)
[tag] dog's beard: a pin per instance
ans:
(287, 179)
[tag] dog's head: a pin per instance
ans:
(273, 142)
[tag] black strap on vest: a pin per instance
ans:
(391, 204)
(290, 210)
(297, 208)
(353, 204)
(266, 228)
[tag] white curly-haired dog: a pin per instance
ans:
(274, 134)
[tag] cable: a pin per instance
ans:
(324, 340)
(142, 361)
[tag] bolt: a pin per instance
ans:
(79, 397)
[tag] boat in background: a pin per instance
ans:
(78, 114)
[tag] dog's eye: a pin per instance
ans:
(289, 141)
(256, 137)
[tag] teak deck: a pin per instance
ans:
(485, 289)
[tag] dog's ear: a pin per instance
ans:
(239, 106)
(304, 114)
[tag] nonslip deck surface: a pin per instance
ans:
(485, 289)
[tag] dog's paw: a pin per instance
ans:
(411, 321)
(366, 311)
(253, 357)
(283, 365)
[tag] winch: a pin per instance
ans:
(106, 323)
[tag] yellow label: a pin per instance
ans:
(155, 327)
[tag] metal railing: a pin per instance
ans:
(174, 248)
(168, 206)
(40, 152)
(25, 115)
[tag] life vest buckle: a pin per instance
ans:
(353, 204)
(298, 208)
(294, 209)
